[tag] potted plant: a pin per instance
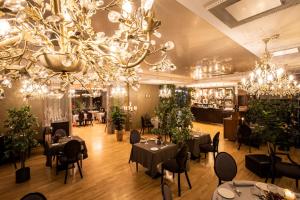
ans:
(21, 130)
(118, 119)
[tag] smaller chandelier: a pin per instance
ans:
(165, 92)
(130, 108)
(268, 78)
(207, 68)
(118, 91)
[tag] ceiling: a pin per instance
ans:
(283, 20)
(197, 34)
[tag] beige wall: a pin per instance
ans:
(13, 98)
(146, 99)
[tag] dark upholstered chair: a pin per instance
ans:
(213, 147)
(289, 169)
(34, 196)
(59, 133)
(146, 123)
(72, 154)
(134, 138)
(244, 136)
(89, 119)
(177, 165)
(104, 117)
(225, 167)
(80, 120)
(166, 192)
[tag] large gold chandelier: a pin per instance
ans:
(54, 40)
(268, 79)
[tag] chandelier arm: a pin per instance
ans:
(157, 63)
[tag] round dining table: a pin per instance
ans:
(247, 190)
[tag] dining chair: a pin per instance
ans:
(135, 137)
(59, 133)
(212, 147)
(71, 154)
(289, 169)
(177, 165)
(166, 192)
(80, 120)
(34, 196)
(244, 136)
(89, 119)
(225, 167)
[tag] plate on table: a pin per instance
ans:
(196, 136)
(54, 144)
(262, 186)
(226, 193)
(154, 148)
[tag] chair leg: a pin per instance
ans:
(188, 180)
(240, 144)
(79, 168)
(162, 176)
(66, 175)
(137, 167)
(130, 156)
(179, 188)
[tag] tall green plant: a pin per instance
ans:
(21, 128)
(118, 118)
(174, 114)
(273, 117)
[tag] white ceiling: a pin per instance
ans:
(285, 22)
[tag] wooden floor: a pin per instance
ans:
(107, 174)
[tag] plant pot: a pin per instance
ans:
(22, 175)
(119, 135)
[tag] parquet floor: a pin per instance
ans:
(108, 176)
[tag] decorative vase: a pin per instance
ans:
(119, 135)
(22, 175)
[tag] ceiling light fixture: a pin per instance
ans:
(269, 79)
(45, 40)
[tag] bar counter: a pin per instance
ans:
(210, 115)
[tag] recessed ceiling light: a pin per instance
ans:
(286, 52)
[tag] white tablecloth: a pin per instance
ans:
(247, 192)
(99, 116)
(75, 117)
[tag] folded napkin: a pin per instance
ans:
(242, 183)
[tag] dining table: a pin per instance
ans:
(99, 116)
(196, 140)
(149, 154)
(75, 118)
(53, 149)
(249, 190)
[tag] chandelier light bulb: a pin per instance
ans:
(169, 45)
(279, 72)
(4, 27)
(291, 77)
(127, 6)
(99, 3)
(114, 16)
(157, 34)
(147, 4)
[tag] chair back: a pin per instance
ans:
(166, 192)
(225, 167)
(244, 131)
(216, 140)
(72, 150)
(182, 157)
(143, 122)
(134, 137)
(59, 133)
(89, 116)
(34, 196)
(272, 154)
(81, 116)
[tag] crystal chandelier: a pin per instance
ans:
(165, 92)
(207, 68)
(42, 40)
(268, 78)
(118, 91)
